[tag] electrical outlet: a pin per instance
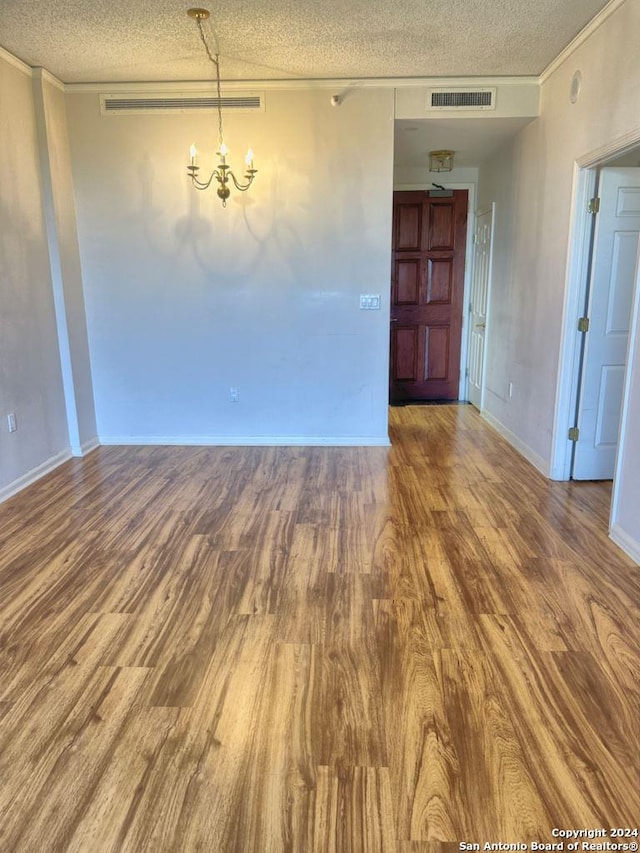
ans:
(233, 395)
(12, 423)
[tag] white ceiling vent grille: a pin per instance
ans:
(462, 99)
(136, 104)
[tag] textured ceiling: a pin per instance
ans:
(153, 40)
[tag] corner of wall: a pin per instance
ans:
(64, 257)
(623, 540)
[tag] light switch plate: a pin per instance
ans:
(369, 301)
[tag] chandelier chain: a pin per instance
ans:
(216, 62)
(222, 173)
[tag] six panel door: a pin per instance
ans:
(427, 283)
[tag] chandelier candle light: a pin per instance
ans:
(222, 173)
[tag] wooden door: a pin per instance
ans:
(427, 283)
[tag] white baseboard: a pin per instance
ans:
(531, 456)
(628, 544)
(35, 474)
(250, 440)
(86, 447)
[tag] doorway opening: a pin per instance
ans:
(579, 384)
(578, 301)
(606, 321)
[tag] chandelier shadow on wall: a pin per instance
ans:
(222, 173)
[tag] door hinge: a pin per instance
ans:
(594, 205)
(574, 434)
(583, 324)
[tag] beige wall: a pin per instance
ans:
(186, 300)
(30, 375)
(420, 176)
(66, 274)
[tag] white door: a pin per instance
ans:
(478, 309)
(615, 250)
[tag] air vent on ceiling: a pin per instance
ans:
(137, 104)
(462, 99)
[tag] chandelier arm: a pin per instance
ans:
(204, 185)
(199, 185)
(249, 180)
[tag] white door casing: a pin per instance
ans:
(615, 250)
(478, 309)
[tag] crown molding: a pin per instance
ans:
(594, 24)
(17, 63)
(40, 73)
(335, 84)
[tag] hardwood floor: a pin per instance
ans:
(315, 649)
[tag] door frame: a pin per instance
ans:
(492, 210)
(468, 261)
(585, 174)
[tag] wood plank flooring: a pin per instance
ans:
(314, 649)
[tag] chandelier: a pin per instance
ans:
(222, 172)
(441, 161)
